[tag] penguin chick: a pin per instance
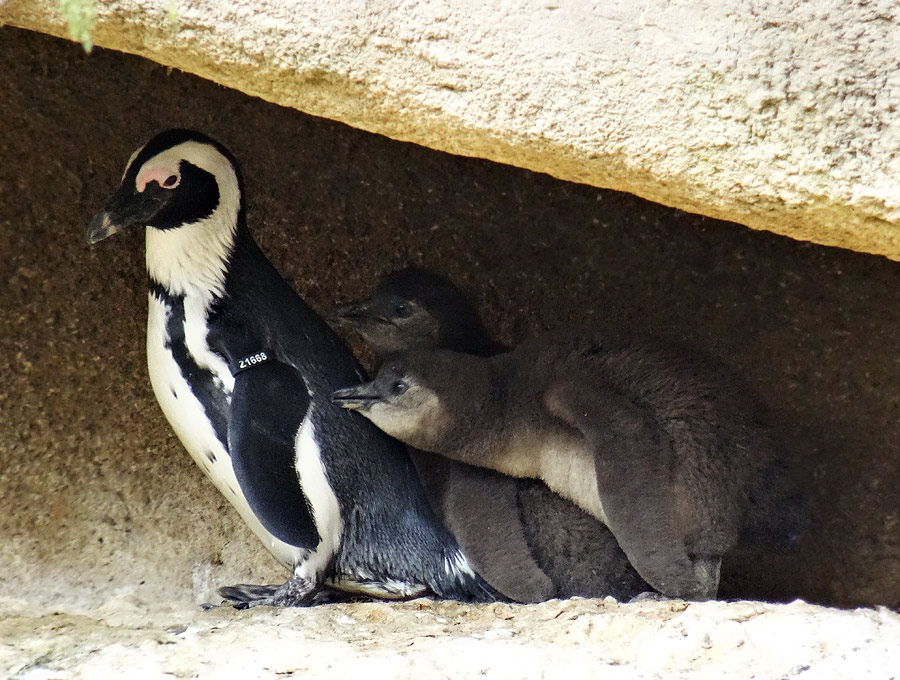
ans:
(416, 308)
(242, 369)
(525, 540)
(656, 444)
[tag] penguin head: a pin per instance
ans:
(414, 308)
(187, 190)
(411, 398)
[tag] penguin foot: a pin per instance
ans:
(245, 593)
(703, 585)
(295, 592)
(707, 570)
(649, 596)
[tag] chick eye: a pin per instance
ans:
(170, 182)
(398, 387)
(403, 310)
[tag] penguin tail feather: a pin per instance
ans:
(463, 584)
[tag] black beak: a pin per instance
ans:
(357, 398)
(350, 313)
(359, 315)
(126, 208)
(101, 227)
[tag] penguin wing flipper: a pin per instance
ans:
(634, 462)
(268, 405)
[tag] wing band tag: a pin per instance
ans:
(250, 361)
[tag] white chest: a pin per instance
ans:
(189, 419)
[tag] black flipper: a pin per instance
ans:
(643, 507)
(268, 405)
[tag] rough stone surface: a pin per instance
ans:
(779, 114)
(103, 515)
(423, 639)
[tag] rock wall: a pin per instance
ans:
(95, 487)
(778, 114)
(103, 515)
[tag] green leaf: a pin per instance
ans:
(81, 16)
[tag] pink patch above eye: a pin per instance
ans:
(164, 176)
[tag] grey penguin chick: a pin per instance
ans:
(525, 540)
(657, 444)
(243, 368)
(417, 308)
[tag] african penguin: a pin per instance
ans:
(525, 540)
(658, 444)
(243, 370)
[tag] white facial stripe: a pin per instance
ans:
(131, 160)
(204, 156)
(192, 258)
(161, 174)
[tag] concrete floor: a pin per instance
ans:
(98, 501)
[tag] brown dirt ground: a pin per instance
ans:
(95, 492)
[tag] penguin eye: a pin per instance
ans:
(170, 182)
(398, 387)
(402, 310)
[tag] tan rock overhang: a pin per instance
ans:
(781, 115)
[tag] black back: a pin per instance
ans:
(389, 529)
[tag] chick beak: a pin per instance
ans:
(350, 313)
(358, 398)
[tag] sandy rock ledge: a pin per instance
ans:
(779, 114)
(424, 639)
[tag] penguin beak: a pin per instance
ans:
(126, 208)
(100, 227)
(360, 316)
(359, 398)
(352, 313)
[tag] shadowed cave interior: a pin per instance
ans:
(100, 501)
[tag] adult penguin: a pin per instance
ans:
(243, 370)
